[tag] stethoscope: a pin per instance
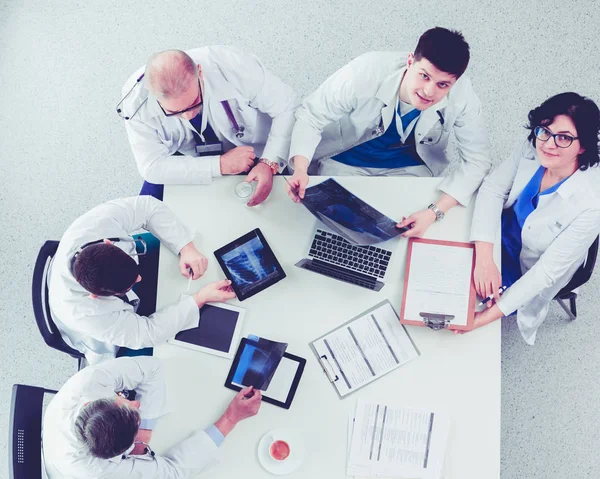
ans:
(149, 454)
(429, 140)
(237, 128)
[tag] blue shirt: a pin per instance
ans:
(387, 150)
(513, 219)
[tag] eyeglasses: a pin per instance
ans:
(560, 139)
(176, 113)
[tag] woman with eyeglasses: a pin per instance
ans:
(547, 200)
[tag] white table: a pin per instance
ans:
(458, 374)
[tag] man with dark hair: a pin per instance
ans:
(92, 431)
(96, 266)
(389, 113)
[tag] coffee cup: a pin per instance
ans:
(279, 450)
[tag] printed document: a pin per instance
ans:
(396, 441)
(365, 349)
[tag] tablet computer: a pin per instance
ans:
(282, 386)
(218, 331)
(250, 265)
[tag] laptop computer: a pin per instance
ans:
(330, 254)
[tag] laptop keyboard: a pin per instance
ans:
(338, 273)
(333, 248)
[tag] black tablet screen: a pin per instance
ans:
(215, 329)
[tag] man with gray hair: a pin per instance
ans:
(193, 116)
(94, 429)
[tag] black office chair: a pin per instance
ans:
(25, 437)
(41, 306)
(581, 276)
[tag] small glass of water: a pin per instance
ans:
(244, 190)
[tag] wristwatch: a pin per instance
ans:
(271, 164)
(439, 214)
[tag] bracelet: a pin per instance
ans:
(439, 214)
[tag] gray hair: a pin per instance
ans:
(106, 427)
(168, 73)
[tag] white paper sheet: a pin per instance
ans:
(439, 282)
(396, 441)
(365, 349)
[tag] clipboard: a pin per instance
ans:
(437, 317)
(399, 338)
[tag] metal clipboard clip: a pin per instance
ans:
(328, 368)
(436, 321)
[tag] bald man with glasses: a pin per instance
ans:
(194, 116)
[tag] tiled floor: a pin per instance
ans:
(63, 150)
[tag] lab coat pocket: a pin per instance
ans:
(435, 135)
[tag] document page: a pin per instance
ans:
(364, 349)
(397, 441)
(439, 282)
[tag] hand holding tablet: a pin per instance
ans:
(250, 264)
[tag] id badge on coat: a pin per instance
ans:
(210, 149)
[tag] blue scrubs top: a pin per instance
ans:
(513, 219)
(386, 151)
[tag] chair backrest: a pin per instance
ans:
(584, 273)
(41, 306)
(25, 437)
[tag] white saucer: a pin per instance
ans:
(293, 462)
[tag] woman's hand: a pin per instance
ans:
(486, 276)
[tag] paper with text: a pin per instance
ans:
(365, 349)
(397, 441)
(439, 282)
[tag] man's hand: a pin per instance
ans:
(245, 404)
(263, 176)
(190, 257)
(486, 276)
(216, 292)
(143, 435)
(237, 160)
(296, 185)
(418, 223)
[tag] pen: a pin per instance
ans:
(190, 279)
(491, 296)
(292, 188)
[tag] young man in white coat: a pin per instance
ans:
(96, 266)
(219, 109)
(390, 113)
(92, 430)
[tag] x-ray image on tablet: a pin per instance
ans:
(218, 331)
(258, 363)
(250, 264)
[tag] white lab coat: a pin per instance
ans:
(357, 103)
(556, 235)
(98, 326)
(66, 458)
(260, 102)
